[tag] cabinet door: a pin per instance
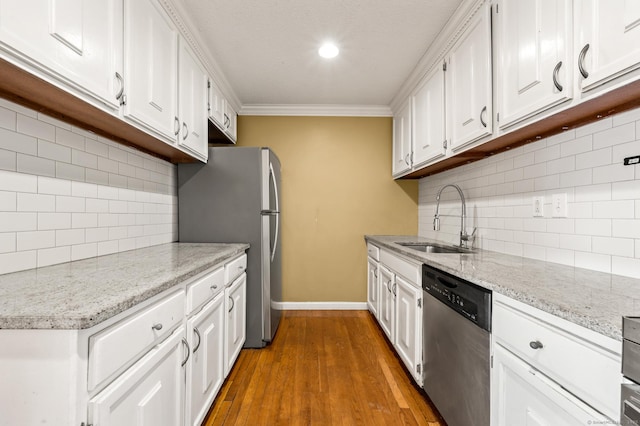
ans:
(402, 140)
(611, 28)
(469, 75)
(521, 395)
(80, 41)
(236, 320)
(429, 119)
(533, 56)
(151, 66)
(205, 369)
(216, 104)
(150, 393)
(231, 118)
(192, 109)
(408, 321)
(386, 313)
(373, 287)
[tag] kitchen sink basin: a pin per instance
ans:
(434, 248)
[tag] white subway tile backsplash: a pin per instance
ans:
(625, 266)
(8, 160)
(84, 251)
(31, 126)
(47, 221)
(595, 127)
(17, 221)
(118, 154)
(7, 119)
(69, 172)
(84, 159)
(96, 235)
(68, 237)
(612, 173)
(107, 247)
(52, 256)
(84, 220)
(67, 138)
(35, 202)
(8, 201)
(35, 165)
(17, 142)
(96, 177)
(97, 148)
(591, 159)
(602, 230)
(7, 242)
(19, 182)
(17, 261)
(53, 151)
(70, 204)
(33, 240)
(53, 121)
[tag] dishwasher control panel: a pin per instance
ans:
(469, 300)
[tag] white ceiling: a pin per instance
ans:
(267, 49)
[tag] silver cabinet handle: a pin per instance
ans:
(375, 273)
(395, 287)
(195, 330)
(214, 287)
(185, 131)
(176, 126)
(184, 342)
(484, 123)
(232, 304)
(406, 159)
(556, 70)
(536, 344)
(121, 81)
(157, 326)
(583, 53)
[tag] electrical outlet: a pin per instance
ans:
(538, 206)
(559, 205)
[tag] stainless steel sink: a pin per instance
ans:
(434, 248)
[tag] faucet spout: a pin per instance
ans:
(464, 237)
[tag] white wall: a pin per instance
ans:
(602, 230)
(67, 194)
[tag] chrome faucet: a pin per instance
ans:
(464, 237)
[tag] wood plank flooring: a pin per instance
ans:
(323, 368)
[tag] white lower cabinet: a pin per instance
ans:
(205, 369)
(398, 307)
(548, 371)
(373, 287)
(408, 342)
(387, 308)
(523, 395)
(236, 320)
(148, 394)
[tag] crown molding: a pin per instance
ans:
(317, 110)
(181, 20)
(437, 51)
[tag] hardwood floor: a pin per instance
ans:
(323, 368)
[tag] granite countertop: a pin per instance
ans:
(83, 293)
(594, 300)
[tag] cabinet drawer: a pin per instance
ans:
(235, 268)
(204, 289)
(373, 251)
(124, 342)
(409, 270)
(567, 355)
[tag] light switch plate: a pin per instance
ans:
(538, 206)
(559, 205)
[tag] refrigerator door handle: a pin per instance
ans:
(275, 190)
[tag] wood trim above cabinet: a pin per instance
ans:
(28, 90)
(618, 100)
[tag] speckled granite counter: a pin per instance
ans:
(81, 294)
(594, 300)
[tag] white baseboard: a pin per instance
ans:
(321, 306)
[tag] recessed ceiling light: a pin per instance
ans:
(328, 50)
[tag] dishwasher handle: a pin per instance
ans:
(446, 282)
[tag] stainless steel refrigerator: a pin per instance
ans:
(234, 199)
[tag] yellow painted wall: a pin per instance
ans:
(336, 187)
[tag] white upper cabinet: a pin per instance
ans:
(192, 90)
(78, 41)
(429, 136)
(533, 57)
(469, 82)
(216, 104)
(402, 140)
(151, 55)
(608, 40)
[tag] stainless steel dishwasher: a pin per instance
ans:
(456, 347)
